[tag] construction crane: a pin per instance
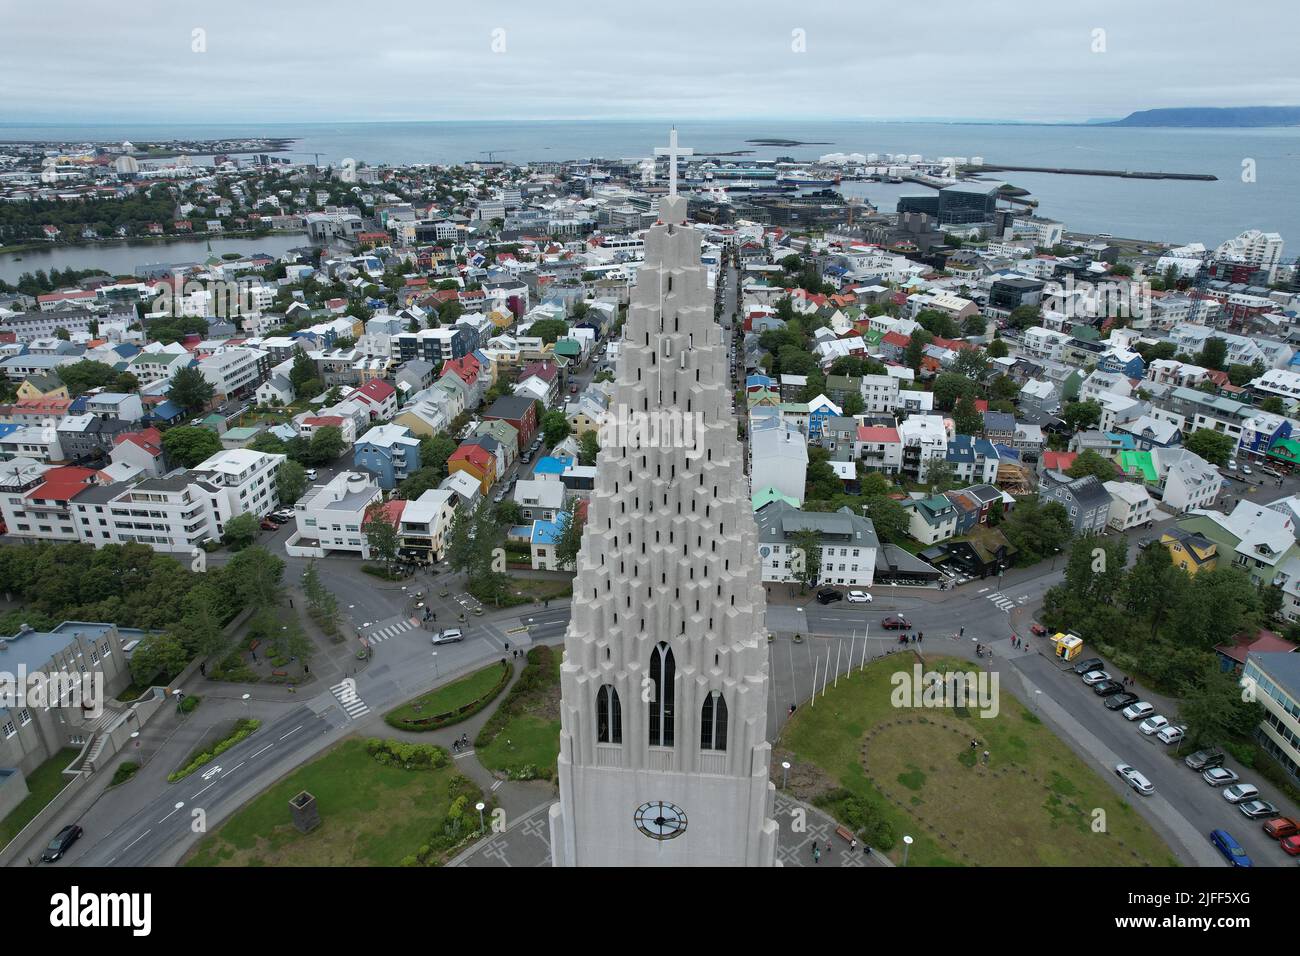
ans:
(490, 153)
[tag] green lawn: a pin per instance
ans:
(44, 784)
(371, 815)
(525, 730)
(445, 700)
(1034, 804)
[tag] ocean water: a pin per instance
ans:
(1160, 210)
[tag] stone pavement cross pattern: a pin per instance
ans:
(378, 635)
(346, 693)
(526, 842)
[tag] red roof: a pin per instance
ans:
(543, 370)
(377, 390)
(1058, 460)
(150, 439)
(877, 433)
(324, 421)
(390, 511)
(62, 483)
(895, 338)
(39, 406)
(476, 455)
(981, 405)
(1262, 641)
(466, 368)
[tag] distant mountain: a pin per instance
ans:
(1204, 116)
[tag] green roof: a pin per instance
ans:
(247, 432)
(1287, 449)
(769, 495)
(568, 347)
(1132, 461)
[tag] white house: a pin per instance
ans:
(1130, 505)
(334, 513)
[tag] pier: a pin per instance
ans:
(1120, 173)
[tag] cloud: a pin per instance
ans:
(332, 60)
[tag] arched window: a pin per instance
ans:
(663, 670)
(609, 716)
(713, 722)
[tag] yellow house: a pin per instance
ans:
(1190, 551)
(42, 385)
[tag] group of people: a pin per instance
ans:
(911, 638)
(460, 743)
(853, 846)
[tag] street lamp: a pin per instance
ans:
(480, 806)
(907, 846)
(435, 665)
(785, 773)
(135, 735)
(245, 699)
(1055, 552)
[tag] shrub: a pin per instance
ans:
(124, 772)
(243, 728)
(189, 704)
(398, 753)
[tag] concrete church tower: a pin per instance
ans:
(663, 742)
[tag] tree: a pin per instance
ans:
(1090, 462)
(806, 559)
(549, 330)
(419, 482)
(853, 404)
(573, 522)
(821, 483)
(949, 387)
(1153, 587)
(382, 538)
(1213, 354)
(187, 446)
(290, 481)
(201, 628)
(938, 324)
(302, 375)
(1024, 317)
(1273, 405)
(890, 518)
(939, 474)
(555, 427)
(1213, 709)
(125, 382)
(915, 350)
(997, 349)
(971, 363)
(1214, 447)
(1036, 530)
(434, 452)
(1081, 415)
(162, 653)
(82, 376)
(254, 577)
(241, 531)
(588, 448)
(966, 417)
(190, 390)
(326, 444)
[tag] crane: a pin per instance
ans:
(490, 153)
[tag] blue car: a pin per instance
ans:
(1232, 850)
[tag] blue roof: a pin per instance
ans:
(78, 405)
(961, 449)
(547, 532)
(165, 410)
(552, 465)
(752, 380)
(1126, 442)
(8, 429)
(1006, 452)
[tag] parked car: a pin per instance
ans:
(898, 623)
(1279, 828)
(1232, 464)
(1240, 792)
(1038, 630)
(268, 525)
(1245, 470)
(1232, 851)
(573, 389)
(451, 635)
(1257, 809)
(1139, 710)
(1095, 677)
(1120, 701)
(311, 474)
(1134, 779)
(1091, 664)
(1107, 687)
(829, 596)
(1291, 845)
(859, 597)
(1153, 725)
(62, 841)
(1171, 735)
(1205, 759)
(1219, 776)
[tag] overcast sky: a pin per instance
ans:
(68, 61)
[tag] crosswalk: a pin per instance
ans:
(1001, 600)
(345, 691)
(381, 634)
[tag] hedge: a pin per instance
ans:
(465, 711)
(243, 729)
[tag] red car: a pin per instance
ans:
(1292, 845)
(1280, 827)
(896, 624)
(269, 525)
(1038, 629)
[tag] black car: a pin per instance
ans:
(1205, 759)
(1107, 688)
(1091, 664)
(1120, 701)
(829, 596)
(60, 844)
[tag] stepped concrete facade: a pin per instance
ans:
(663, 752)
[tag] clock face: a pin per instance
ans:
(659, 820)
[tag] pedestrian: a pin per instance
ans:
(305, 668)
(828, 847)
(817, 853)
(962, 631)
(254, 653)
(974, 743)
(919, 636)
(507, 645)
(853, 844)
(203, 669)
(986, 758)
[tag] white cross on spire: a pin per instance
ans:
(672, 151)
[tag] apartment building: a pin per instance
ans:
(333, 514)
